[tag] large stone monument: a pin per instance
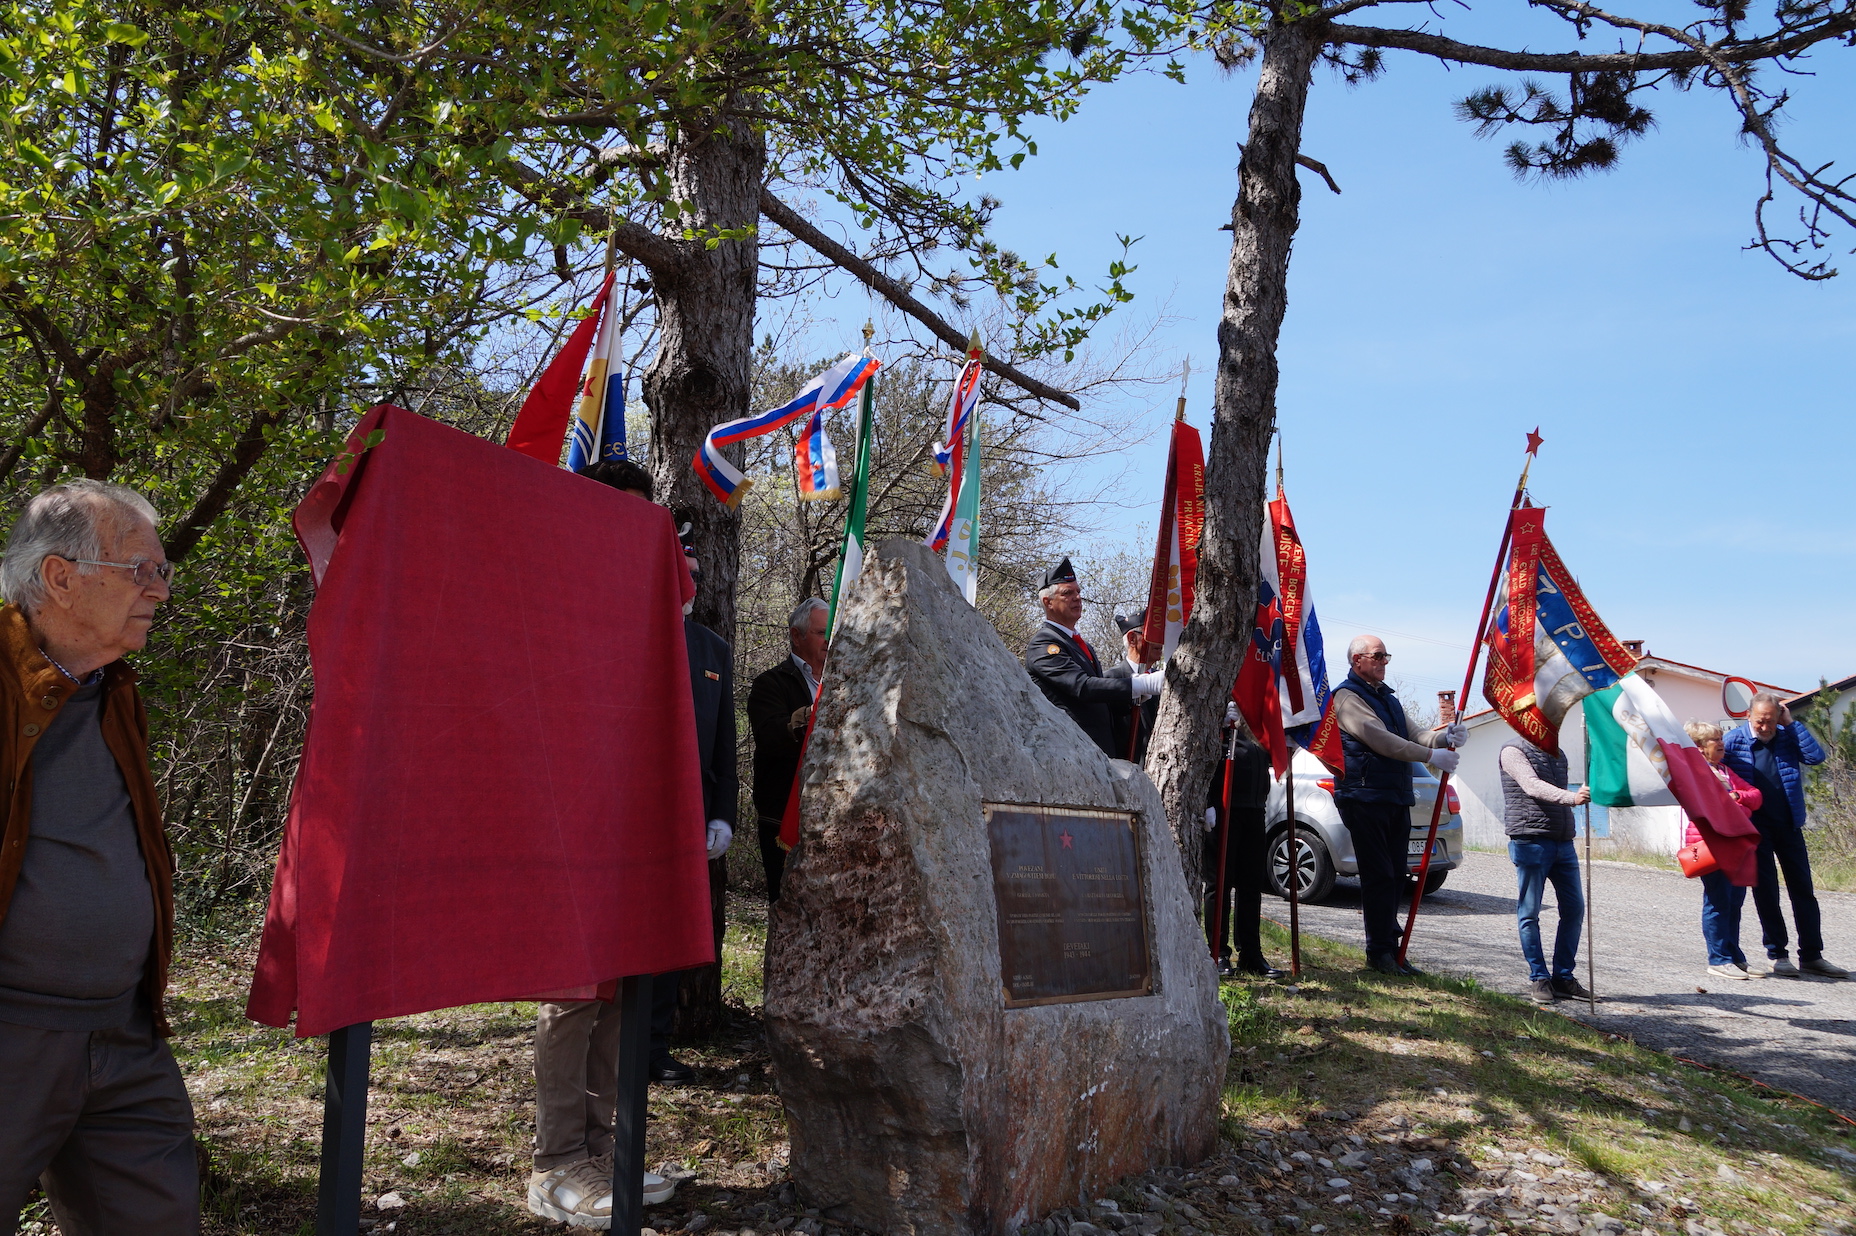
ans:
(987, 995)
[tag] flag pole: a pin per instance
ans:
(1288, 802)
(1179, 414)
(1469, 677)
(1585, 779)
(1224, 844)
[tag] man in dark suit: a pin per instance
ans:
(778, 704)
(712, 689)
(1065, 668)
(1241, 924)
(1133, 644)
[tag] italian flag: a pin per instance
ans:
(1638, 755)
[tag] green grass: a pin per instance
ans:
(1484, 1071)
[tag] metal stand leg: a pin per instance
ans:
(344, 1131)
(628, 1122)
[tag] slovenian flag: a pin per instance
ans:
(830, 390)
(1282, 685)
(1548, 649)
(950, 456)
(815, 463)
(1639, 756)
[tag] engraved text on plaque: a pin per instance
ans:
(1072, 921)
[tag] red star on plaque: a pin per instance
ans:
(1066, 839)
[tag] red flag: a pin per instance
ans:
(541, 425)
(1176, 550)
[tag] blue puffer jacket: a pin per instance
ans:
(1792, 748)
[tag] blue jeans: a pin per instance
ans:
(1782, 848)
(1535, 863)
(1721, 901)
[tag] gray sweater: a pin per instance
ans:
(77, 932)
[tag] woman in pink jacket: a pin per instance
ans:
(1721, 899)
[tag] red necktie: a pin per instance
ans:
(1084, 645)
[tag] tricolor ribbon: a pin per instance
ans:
(949, 455)
(832, 389)
(815, 463)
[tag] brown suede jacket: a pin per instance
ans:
(31, 692)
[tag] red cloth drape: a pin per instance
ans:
(499, 794)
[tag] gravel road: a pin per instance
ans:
(1797, 1034)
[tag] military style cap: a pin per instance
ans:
(1062, 573)
(1131, 622)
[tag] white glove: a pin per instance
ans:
(1211, 818)
(1443, 759)
(1230, 712)
(1147, 685)
(721, 836)
(1455, 735)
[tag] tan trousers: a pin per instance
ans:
(576, 1081)
(101, 1120)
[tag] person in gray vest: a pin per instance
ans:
(1537, 816)
(1374, 794)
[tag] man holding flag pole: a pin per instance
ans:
(1282, 686)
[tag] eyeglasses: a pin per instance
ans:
(1377, 656)
(144, 571)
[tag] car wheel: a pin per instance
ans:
(1432, 882)
(1314, 867)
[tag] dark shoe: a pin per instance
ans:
(1408, 970)
(1224, 968)
(667, 1068)
(1822, 968)
(1385, 963)
(1263, 970)
(1572, 989)
(1543, 991)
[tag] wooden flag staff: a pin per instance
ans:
(1469, 677)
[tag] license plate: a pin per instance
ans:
(1417, 847)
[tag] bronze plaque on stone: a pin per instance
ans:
(1072, 918)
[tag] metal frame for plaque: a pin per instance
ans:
(1136, 834)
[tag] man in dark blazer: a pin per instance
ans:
(778, 704)
(712, 689)
(1065, 668)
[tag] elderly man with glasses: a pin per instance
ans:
(1374, 794)
(95, 1111)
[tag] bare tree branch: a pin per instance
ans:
(899, 295)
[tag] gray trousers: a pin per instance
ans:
(101, 1121)
(576, 1081)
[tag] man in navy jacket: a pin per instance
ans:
(1770, 750)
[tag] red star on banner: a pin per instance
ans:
(1066, 839)
(1534, 440)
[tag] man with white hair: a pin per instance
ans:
(1770, 751)
(95, 1110)
(1374, 793)
(1065, 668)
(779, 701)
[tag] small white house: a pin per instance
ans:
(1692, 693)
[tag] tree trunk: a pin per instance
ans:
(698, 379)
(1263, 222)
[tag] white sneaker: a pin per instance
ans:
(1728, 972)
(579, 1195)
(1784, 968)
(656, 1189)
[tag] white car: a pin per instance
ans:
(1325, 848)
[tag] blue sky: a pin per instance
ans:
(1693, 396)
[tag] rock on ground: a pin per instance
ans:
(917, 1102)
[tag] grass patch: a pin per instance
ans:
(1493, 1077)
